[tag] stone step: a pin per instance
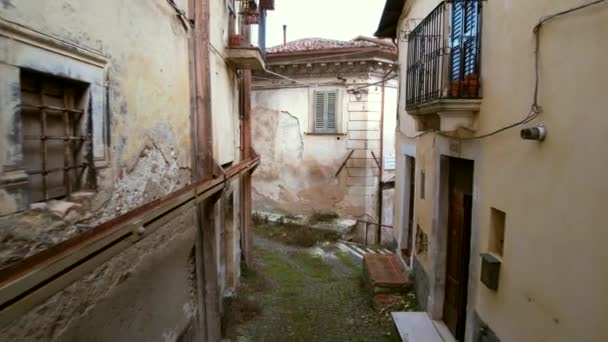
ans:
(384, 273)
(345, 248)
(415, 327)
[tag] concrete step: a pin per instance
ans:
(415, 327)
(347, 249)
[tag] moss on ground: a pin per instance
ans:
(322, 217)
(305, 297)
(294, 235)
(348, 261)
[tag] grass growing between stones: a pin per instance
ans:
(310, 298)
(348, 261)
(294, 235)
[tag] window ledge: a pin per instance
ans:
(321, 134)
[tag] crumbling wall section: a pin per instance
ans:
(145, 293)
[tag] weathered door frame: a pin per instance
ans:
(458, 245)
(406, 151)
(444, 149)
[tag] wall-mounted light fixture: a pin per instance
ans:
(534, 133)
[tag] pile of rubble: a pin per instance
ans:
(46, 224)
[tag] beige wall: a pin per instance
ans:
(297, 171)
(553, 276)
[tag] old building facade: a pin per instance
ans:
(125, 166)
(499, 165)
(323, 125)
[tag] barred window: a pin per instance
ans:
(56, 135)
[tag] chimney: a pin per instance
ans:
(284, 35)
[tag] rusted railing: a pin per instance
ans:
(28, 282)
(380, 226)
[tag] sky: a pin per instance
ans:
(335, 19)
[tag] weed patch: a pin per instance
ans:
(295, 235)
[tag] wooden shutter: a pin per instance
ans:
(319, 111)
(465, 27)
(325, 120)
(331, 111)
(457, 30)
(471, 17)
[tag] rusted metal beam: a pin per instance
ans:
(344, 162)
(204, 167)
(246, 152)
(376, 160)
(43, 146)
(48, 108)
(67, 148)
(31, 280)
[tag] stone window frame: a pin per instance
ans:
(26, 48)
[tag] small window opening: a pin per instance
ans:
(497, 231)
(422, 184)
(56, 135)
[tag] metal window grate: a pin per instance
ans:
(443, 54)
(55, 135)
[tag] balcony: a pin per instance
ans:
(443, 65)
(242, 51)
(245, 57)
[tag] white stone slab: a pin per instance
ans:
(415, 327)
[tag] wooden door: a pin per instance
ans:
(458, 246)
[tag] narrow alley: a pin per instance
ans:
(313, 293)
(319, 170)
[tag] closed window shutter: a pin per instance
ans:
(457, 28)
(331, 111)
(319, 111)
(325, 112)
(470, 44)
(465, 21)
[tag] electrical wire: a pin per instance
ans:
(535, 109)
(181, 15)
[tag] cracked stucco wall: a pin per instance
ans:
(144, 293)
(297, 171)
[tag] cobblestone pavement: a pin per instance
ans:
(304, 294)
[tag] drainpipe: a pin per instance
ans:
(381, 157)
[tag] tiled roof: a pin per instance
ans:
(315, 44)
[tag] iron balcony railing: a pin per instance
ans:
(443, 54)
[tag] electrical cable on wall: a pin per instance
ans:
(535, 108)
(181, 15)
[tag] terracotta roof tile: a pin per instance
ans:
(312, 44)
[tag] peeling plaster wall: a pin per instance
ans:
(149, 101)
(297, 170)
(146, 293)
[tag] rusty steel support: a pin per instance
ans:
(207, 270)
(246, 153)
